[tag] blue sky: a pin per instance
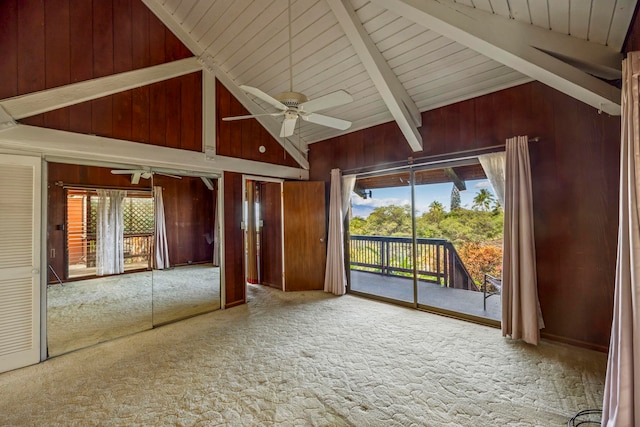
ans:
(425, 194)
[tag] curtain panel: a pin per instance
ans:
(110, 232)
(521, 314)
(335, 278)
(160, 247)
(621, 403)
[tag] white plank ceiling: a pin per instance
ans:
(248, 41)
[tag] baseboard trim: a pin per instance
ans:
(574, 342)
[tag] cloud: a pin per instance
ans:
(483, 184)
(376, 203)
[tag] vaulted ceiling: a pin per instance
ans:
(398, 58)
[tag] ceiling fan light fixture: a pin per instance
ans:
(291, 99)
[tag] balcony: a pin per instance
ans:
(383, 266)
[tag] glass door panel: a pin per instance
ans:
(381, 236)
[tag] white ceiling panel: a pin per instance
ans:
(249, 42)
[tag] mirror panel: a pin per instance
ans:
(86, 312)
(191, 283)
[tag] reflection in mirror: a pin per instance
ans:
(100, 236)
(86, 312)
(186, 276)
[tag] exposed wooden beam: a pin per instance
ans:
(6, 121)
(270, 124)
(522, 47)
(398, 101)
(52, 99)
(457, 181)
(76, 146)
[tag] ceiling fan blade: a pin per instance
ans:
(333, 99)
(266, 98)
(169, 175)
(135, 178)
(323, 120)
(251, 116)
(288, 127)
(126, 171)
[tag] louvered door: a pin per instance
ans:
(19, 261)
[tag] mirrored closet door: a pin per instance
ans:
(120, 262)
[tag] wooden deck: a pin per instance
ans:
(429, 294)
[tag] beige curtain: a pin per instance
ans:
(493, 165)
(335, 278)
(252, 253)
(110, 232)
(621, 404)
(521, 315)
(161, 248)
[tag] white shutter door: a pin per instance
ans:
(19, 261)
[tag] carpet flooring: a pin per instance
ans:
(308, 358)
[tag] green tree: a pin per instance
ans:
(389, 221)
(483, 200)
(455, 198)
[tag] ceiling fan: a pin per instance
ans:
(136, 174)
(294, 105)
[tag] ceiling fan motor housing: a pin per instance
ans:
(291, 99)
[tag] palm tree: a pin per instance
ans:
(483, 200)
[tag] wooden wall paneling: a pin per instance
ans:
(140, 114)
(31, 46)
(632, 43)
(80, 61)
(157, 114)
(122, 61)
(156, 41)
(140, 45)
(235, 287)
(122, 110)
(235, 143)
(57, 57)
(173, 91)
(9, 48)
(103, 42)
(30, 52)
(188, 113)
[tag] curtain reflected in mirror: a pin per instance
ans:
(186, 278)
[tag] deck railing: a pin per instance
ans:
(436, 261)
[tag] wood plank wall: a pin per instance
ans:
(234, 283)
(242, 138)
(51, 43)
(575, 170)
(189, 216)
(188, 211)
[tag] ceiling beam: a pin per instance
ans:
(76, 146)
(270, 124)
(35, 103)
(398, 101)
(455, 178)
(522, 47)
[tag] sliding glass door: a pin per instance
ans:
(427, 237)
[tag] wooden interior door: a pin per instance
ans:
(305, 245)
(271, 234)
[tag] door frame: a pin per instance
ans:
(246, 178)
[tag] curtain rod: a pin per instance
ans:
(95, 188)
(436, 158)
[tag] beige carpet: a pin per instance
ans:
(87, 312)
(308, 359)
